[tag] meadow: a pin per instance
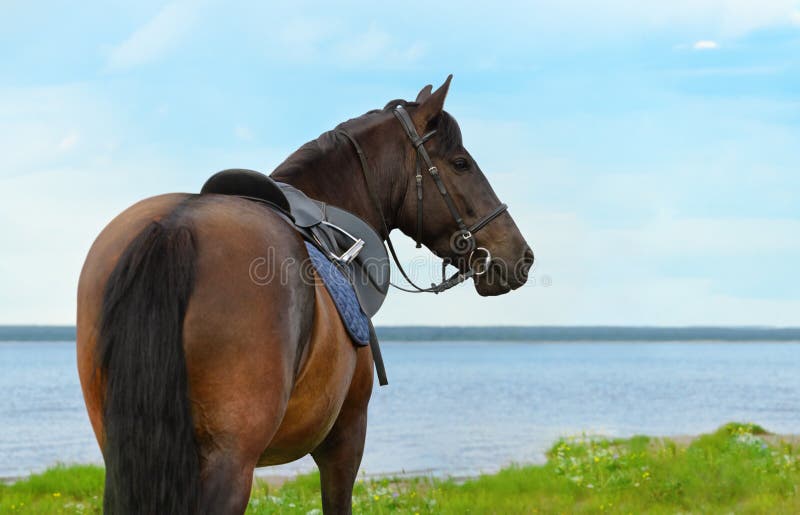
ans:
(740, 468)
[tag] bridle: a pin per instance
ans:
(463, 240)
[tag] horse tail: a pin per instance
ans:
(150, 452)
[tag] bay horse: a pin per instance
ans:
(194, 374)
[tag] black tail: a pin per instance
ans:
(152, 465)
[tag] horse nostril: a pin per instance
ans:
(527, 262)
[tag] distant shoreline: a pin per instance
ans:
(34, 333)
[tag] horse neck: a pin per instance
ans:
(328, 169)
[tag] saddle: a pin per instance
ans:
(345, 239)
(347, 242)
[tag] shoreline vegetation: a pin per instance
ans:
(502, 333)
(740, 468)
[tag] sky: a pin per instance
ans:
(647, 150)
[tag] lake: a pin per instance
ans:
(461, 408)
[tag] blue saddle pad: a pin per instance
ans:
(343, 295)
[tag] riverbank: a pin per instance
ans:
(739, 468)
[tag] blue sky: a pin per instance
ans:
(649, 152)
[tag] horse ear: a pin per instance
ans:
(424, 93)
(432, 106)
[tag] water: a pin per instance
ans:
(461, 408)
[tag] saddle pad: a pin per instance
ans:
(343, 294)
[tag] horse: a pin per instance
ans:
(194, 374)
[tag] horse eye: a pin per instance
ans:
(461, 164)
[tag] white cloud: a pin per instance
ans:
(730, 71)
(69, 141)
(330, 39)
(70, 162)
(289, 33)
(42, 126)
(363, 47)
(718, 237)
(737, 17)
(414, 52)
(617, 276)
(160, 35)
(729, 18)
(376, 46)
(589, 290)
(303, 38)
(705, 44)
(243, 133)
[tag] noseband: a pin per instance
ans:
(463, 241)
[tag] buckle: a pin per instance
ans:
(462, 242)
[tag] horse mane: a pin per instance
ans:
(447, 131)
(300, 158)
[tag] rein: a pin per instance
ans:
(464, 240)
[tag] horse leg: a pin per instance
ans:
(339, 455)
(338, 459)
(226, 482)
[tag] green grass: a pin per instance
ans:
(61, 489)
(737, 469)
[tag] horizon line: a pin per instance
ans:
(520, 326)
(42, 333)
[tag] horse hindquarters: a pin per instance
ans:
(244, 342)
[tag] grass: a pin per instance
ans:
(737, 469)
(61, 489)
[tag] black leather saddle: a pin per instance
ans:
(347, 240)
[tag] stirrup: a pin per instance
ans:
(348, 255)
